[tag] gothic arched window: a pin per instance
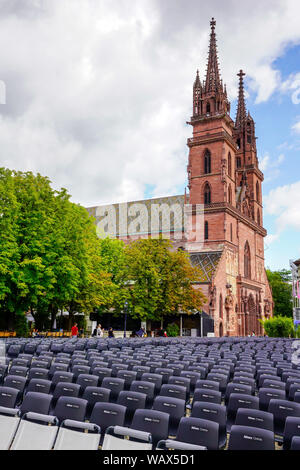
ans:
(207, 194)
(207, 162)
(206, 230)
(229, 165)
(238, 162)
(208, 108)
(247, 261)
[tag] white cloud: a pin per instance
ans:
(296, 127)
(270, 167)
(283, 203)
(97, 96)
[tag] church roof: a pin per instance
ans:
(165, 214)
(207, 263)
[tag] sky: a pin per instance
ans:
(95, 94)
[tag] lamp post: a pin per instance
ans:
(125, 318)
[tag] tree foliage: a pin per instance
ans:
(157, 280)
(280, 282)
(278, 327)
(49, 252)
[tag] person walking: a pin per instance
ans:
(74, 331)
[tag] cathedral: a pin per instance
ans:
(225, 191)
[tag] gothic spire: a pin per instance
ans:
(241, 114)
(197, 83)
(212, 82)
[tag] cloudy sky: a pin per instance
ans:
(98, 93)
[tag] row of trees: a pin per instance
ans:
(51, 260)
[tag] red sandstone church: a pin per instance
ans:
(224, 182)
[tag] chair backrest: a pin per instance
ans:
(18, 370)
(165, 373)
(108, 414)
(173, 406)
(151, 421)
(36, 402)
(255, 418)
(182, 381)
(155, 378)
(295, 444)
(208, 384)
(143, 387)
(267, 394)
(66, 389)
(59, 376)
(102, 372)
(132, 400)
(8, 397)
(199, 432)
(127, 375)
(250, 438)
(70, 408)
(39, 385)
(237, 400)
(96, 394)
(15, 381)
(211, 412)
(281, 409)
(87, 380)
(207, 395)
(114, 384)
(291, 429)
(140, 370)
(173, 391)
(38, 373)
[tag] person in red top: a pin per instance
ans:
(74, 331)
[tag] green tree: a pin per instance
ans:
(49, 251)
(280, 282)
(158, 281)
(278, 327)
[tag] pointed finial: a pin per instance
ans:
(241, 74)
(212, 82)
(241, 107)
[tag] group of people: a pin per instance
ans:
(99, 332)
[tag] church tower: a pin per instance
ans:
(224, 176)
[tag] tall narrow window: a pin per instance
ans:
(207, 194)
(258, 216)
(229, 195)
(247, 261)
(229, 165)
(238, 162)
(231, 232)
(208, 108)
(206, 230)
(257, 191)
(207, 162)
(221, 306)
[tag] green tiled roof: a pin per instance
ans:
(207, 263)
